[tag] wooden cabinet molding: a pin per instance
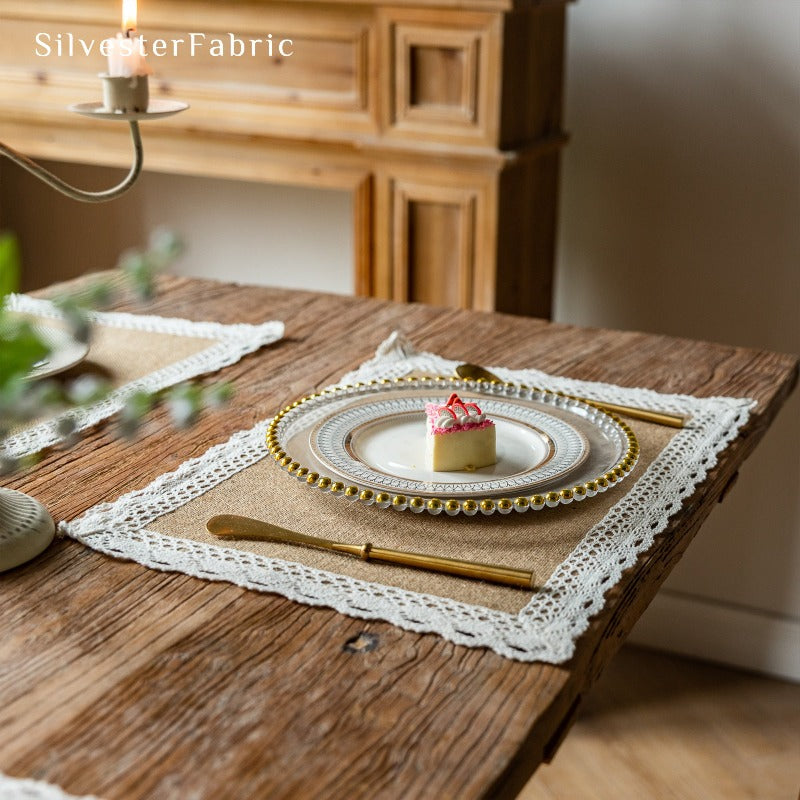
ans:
(444, 123)
(432, 224)
(442, 76)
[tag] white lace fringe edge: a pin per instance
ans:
(27, 789)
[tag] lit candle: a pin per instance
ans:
(125, 87)
(126, 57)
(128, 16)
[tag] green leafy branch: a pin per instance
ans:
(23, 399)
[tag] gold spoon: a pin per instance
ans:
(475, 372)
(232, 526)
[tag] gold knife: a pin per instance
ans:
(475, 372)
(233, 526)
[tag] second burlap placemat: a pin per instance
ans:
(577, 551)
(137, 352)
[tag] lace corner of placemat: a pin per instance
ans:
(30, 789)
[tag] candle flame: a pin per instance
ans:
(128, 15)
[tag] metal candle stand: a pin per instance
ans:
(124, 100)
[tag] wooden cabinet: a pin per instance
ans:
(443, 122)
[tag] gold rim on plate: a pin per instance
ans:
(452, 506)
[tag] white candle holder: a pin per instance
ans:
(123, 95)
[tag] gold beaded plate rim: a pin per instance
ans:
(470, 506)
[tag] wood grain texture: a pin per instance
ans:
(129, 683)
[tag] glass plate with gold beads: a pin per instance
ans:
(367, 443)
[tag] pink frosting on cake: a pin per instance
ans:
(454, 408)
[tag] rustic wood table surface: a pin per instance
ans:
(124, 682)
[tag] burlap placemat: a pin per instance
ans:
(120, 356)
(578, 551)
(136, 351)
(535, 540)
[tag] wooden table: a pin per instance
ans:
(124, 682)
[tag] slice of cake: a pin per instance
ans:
(460, 436)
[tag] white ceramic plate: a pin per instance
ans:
(65, 351)
(368, 443)
(381, 443)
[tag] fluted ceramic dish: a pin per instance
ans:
(366, 443)
(26, 528)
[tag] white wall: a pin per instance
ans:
(680, 214)
(274, 235)
(246, 232)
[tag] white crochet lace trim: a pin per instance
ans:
(545, 630)
(26, 789)
(232, 343)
